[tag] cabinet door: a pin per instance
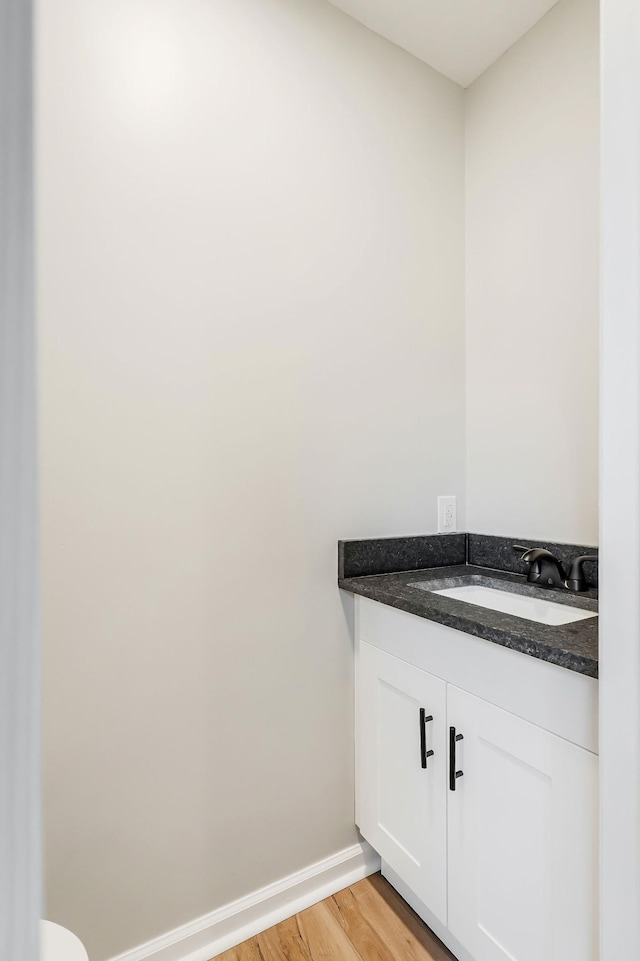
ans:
(401, 716)
(522, 839)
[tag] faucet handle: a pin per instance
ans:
(532, 554)
(527, 552)
(576, 581)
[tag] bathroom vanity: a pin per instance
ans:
(476, 760)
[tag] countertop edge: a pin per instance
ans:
(496, 635)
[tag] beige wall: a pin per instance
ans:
(251, 339)
(532, 283)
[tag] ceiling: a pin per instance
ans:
(460, 38)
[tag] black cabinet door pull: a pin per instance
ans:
(424, 720)
(453, 774)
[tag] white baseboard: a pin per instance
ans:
(206, 937)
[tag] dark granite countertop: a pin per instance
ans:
(573, 646)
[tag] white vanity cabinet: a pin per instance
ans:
(402, 784)
(522, 838)
(501, 861)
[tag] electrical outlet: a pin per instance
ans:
(447, 514)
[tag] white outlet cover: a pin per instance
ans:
(447, 520)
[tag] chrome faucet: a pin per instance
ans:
(545, 569)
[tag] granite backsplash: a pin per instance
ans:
(387, 555)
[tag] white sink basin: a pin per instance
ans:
(531, 608)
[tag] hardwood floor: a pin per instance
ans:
(366, 922)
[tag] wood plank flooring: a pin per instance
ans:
(367, 922)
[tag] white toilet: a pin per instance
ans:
(58, 944)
